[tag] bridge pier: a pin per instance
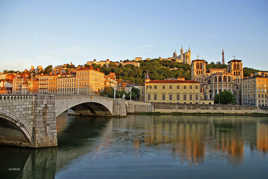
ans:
(44, 122)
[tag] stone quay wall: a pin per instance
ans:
(206, 108)
(138, 107)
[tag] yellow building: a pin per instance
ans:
(255, 91)
(47, 84)
(89, 81)
(19, 85)
(33, 85)
(173, 91)
(66, 85)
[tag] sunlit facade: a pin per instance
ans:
(89, 81)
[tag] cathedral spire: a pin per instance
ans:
(222, 54)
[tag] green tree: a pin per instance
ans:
(247, 71)
(107, 92)
(48, 69)
(225, 97)
(135, 94)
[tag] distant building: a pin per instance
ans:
(184, 57)
(66, 85)
(110, 80)
(255, 91)
(101, 63)
(47, 84)
(20, 85)
(138, 59)
(89, 81)
(134, 63)
(215, 80)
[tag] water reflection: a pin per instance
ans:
(190, 138)
(183, 139)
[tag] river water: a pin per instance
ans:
(147, 147)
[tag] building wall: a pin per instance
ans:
(47, 84)
(66, 85)
(255, 91)
(184, 92)
(89, 81)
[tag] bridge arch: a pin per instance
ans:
(90, 103)
(15, 121)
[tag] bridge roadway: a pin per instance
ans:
(32, 118)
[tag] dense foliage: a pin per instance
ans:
(133, 94)
(157, 69)
(213, 65)
(225, 97)
(247, 71)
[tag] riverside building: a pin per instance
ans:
(179, 91)
(255, 91)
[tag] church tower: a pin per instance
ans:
(182, 55)
(147, 78)
(175, 55)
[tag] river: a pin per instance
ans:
(141, 146)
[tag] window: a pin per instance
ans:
(170, 87)
(149, 97)
(164, 87)
(178, 87)
(196, 87)
(155, 87)
(178, 97)
(170, 97)
(184, 87)
(163, 97)
(150, 87)
(196, 97)
(184, 97)
(191, 97)
(155, 96)
(191, 87)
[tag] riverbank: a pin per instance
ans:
(194, 109)
(200, 114)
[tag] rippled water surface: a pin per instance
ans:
(147, 147)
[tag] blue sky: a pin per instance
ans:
(62, 31)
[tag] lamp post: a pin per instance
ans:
(115, 88)
(130, 93)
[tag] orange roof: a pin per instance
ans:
(172, 81)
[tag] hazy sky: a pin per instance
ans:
(63, 31)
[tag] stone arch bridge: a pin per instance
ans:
(32, 118)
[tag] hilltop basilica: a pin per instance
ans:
(184, 57)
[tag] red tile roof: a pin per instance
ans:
(172, 81)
